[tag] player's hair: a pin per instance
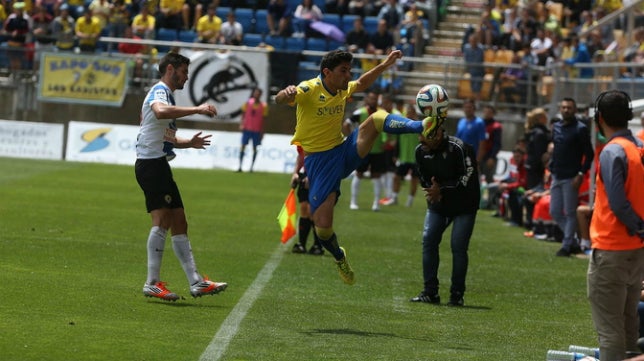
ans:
(334, 58)
(174, 59)
(615, 107)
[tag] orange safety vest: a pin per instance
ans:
(606, 231)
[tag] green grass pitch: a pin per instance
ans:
(73, 260)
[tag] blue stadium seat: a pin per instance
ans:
(317, 44)
(246, 17)
(251, 39)
(347, 22)
(294, 44)
(166, 34)
(261, 27)
(222, 12)
(334, 19)
(188, 36)
(275, 41)
(371, 24)
(334, 44)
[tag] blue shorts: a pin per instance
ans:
(327, 169)
(256, 137)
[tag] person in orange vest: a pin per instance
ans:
(616, 265)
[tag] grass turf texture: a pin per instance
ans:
(73, 260)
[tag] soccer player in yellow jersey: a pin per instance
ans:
(329, 157)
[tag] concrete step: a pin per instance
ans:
(446, 43)
(469, 3)
(463, 18)
(445, 63)
(434, 50)
(448, 34)
(451, 26)
(469, 11)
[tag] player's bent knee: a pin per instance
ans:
(324, 233)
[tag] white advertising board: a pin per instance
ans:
(113, 143)
(19, 139)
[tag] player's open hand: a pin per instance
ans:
(200, 142)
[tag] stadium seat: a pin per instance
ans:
(347, 22)
(333, 19)
(166, 34)
(246, 17)
(251, 39)
(222, 12)
(261, 27)
(188, 36)
(334, 44)
(276, 42)
(294, 44)
(371, 24)
(317, 44)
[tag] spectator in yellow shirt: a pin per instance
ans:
(88, 30)
(143, 24)
(209, 26)
(173, 14)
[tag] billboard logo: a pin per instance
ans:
(95, 139)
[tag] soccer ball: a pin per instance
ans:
(432, 100)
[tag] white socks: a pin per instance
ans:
(183, 251)
(156, 243)
(377, 189)
(355, 188)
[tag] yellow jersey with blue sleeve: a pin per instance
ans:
(319, 115)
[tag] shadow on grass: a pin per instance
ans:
(181, 303)
(350, 332)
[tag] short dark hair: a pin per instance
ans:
(174, 59)
(615, 108)
(334, 58)
(569, 99)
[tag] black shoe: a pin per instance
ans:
(563, 253)
(456, 299)
(576, 250)
(316, 250)
(425, 297)
(298, 248)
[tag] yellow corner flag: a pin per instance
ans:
(288, 216)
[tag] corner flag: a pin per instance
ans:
(287, 217)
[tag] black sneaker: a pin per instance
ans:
(425, 297)
(575, 249)
(298, 248)
(316, 250)
(563, 253)
(456, 299)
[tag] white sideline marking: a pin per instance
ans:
(219, 343)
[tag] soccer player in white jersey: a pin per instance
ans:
(154, 146)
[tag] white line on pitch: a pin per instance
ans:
(230, 326)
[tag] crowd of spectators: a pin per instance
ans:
(30, 26)
(552, 32)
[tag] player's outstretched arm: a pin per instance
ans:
(286, 95)
(166, 111)
(368, 78)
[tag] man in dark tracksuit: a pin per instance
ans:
(449, 176)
